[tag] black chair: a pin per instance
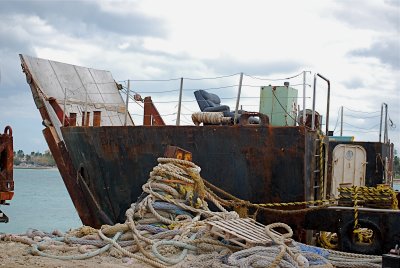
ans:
(209, 102)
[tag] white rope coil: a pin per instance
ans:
(215, 118)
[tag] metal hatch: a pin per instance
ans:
(348, 165)
(77, 89)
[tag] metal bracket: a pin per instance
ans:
(3, 217)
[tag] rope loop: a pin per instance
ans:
(276, 237)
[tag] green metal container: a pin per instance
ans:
(280, 104)
(341, 138)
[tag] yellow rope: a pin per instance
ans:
(355, 207)
(326, 240)
(395, 203)
(321, 166)
(357, 194)
(365, 193)
(312, 202)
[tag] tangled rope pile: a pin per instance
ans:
(169, 220)
(280, 255)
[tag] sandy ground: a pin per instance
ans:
(14, 254)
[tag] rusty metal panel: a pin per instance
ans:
(6, 166)
(178, 153)
(260, 164)
(69, 176)
(386, 221)
(53, 118)
(151, 115)
(84, 88)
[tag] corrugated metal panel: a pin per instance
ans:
(85, 88)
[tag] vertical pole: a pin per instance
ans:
(341, 121)
(84, 123)
(380, 128)
(313, 104)
(127, 102)
(238, 98)
(178, 117)
(65, 106)
(304, 98)
(385, 137)
(327, 104)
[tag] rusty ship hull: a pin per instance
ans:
(105, 161)
(259, 164)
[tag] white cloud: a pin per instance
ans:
(169, 39)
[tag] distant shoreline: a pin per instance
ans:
(33, 167)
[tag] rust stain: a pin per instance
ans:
(6, 165)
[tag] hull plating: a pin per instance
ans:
(259, 164)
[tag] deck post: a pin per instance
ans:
(238, 98)
(178, 117)
(341, 121)
(84, 123)
(304, 98)
(65, 106)
(127, 103)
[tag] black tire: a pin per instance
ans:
(349, 245)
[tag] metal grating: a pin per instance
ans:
(242, 232)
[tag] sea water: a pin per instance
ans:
(40, 201)
(396, 187)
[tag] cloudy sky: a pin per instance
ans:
(353, 43)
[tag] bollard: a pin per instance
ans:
(96, 118)
(85, 122)
(72, 119)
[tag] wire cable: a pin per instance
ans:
(337, 119)
(176, 79)
(361, 111)
(183, 106)
(272, 79)
(392, 125)
(361, 117)
(154, 80)
(375, 126)
(210, 88)
(360, 131)
(131, 97)
(211, 78)
(158, 92)
(280, 104)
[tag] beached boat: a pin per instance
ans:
(259, 157)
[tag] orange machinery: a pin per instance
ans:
(6, 169)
